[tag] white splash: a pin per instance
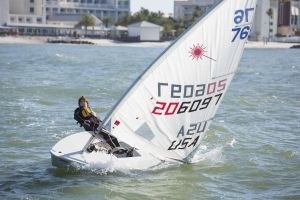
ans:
(233, 141)
(214, 155)
(107, 164)
(59, 55)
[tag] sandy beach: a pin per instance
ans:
(269, 45)
(107, 42)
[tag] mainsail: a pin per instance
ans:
(168, 109)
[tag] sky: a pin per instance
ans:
(166, 6)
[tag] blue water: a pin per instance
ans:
(250, 152)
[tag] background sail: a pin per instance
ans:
(170, 107)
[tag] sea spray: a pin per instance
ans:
(214, 155)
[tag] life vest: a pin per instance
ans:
(86, 112)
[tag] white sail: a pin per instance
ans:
(169, 108)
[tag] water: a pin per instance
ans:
(251, 151)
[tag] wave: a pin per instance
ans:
(213, 155)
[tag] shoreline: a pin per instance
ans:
(108, 42)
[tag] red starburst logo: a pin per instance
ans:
(198, 51)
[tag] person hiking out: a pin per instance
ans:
(85, 116)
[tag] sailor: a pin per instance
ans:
(85, 116)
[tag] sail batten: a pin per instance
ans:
(169, 108)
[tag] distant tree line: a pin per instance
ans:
(172, 27)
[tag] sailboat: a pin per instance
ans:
(166, 112)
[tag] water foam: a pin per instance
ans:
(107, 164)
(213, 155)
(111, 164)
(233, 141)
(59, 55)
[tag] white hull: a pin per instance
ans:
(69, 152)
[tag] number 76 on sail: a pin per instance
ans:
(242, 24)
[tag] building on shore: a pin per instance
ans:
(273, 18)
(57, 17)
(289, 17)
(119, 32)
(276, 18)
(184, 9)
(295, 17)
(4, 12)
(145, 31)
(26, 12)
(265, 20)
(113, 9)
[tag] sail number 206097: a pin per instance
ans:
(196, 97)
(241, 20)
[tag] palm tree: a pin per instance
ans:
(125, 20)
(142, 15)
(168, 27)
(197, 12)
(87, 20)
(270, 14)
(107, 20)
(145, 12)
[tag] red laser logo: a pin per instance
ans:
(198, 51)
